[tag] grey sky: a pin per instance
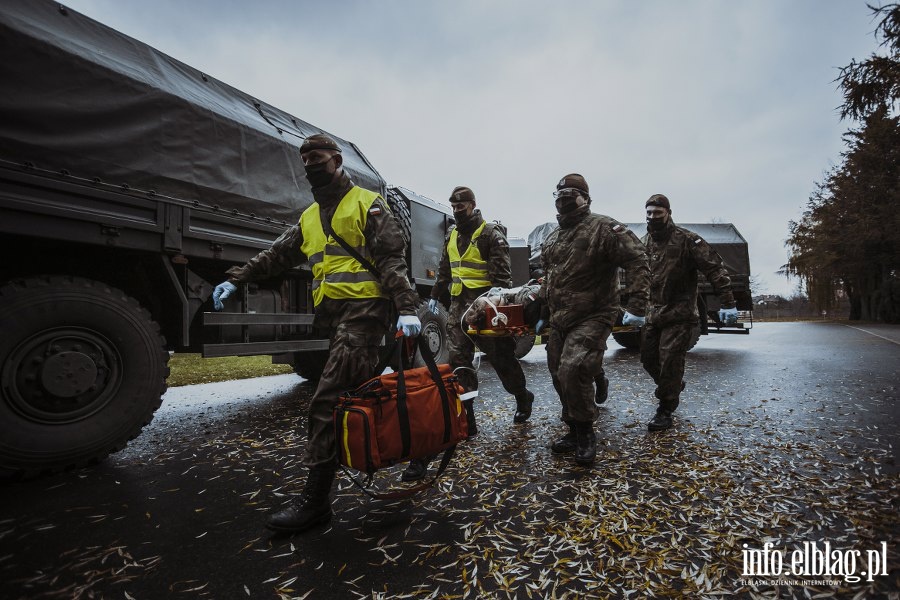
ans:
(729, 108)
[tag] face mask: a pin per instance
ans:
(566, 204)
(656, 223)
(461, 216)
(320, 174)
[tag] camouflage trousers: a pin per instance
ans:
(352, 359)
(500, 351)
(663, 350)
(575, 360)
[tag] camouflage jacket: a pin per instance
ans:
(384, 242)
(494, 249)
(581, 260)
(676, 255)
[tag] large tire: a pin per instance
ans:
(628, 339)
(434, 333)
(310, 365)
(524, 344)
(83, 370)
(400, 210)
(632, 339)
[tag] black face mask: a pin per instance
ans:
(656, 224)
(566, 204)
(461, 216)
(320, 174)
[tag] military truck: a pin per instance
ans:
(731, 246)
(129, 182)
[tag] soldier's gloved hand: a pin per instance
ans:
(410, 325)
(729, 316)
(222, 291)
(433, 305)
(539, 326)
(629, 319)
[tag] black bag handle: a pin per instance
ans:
(367, 264)
(406, 492)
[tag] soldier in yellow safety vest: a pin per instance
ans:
(475, 259)
(351, 302)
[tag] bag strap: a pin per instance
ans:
(367, 264)
(404, 493)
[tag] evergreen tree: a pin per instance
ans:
(849, 237)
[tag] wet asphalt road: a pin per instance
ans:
(787, 435)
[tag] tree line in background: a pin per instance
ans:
(847, 242)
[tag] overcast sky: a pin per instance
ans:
(728, 108)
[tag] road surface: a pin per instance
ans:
(785, 445)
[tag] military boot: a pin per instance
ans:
(523, 406)
(310, 508)
(567, 443)
(662, 420)
(416, 469)
(586, 443)
(602, 391)
(470, 417)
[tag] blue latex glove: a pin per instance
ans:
(629, 319)
(539, 326)
(410, 325)
(222, 291)
(433, 305)
(729, 316)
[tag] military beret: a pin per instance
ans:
(462, 194)
(658, 200)
(573, 180)
(319, 141)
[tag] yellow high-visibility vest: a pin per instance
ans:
(336, 274)
(470, 269)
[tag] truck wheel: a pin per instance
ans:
(524, 344)
(628, 339)
(434, 332)
(400, 210)
(83, 369)
(310, 365)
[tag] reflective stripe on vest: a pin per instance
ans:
(470, 269)
(336, 274)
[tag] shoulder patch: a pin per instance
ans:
(697, 241)
(619, 228)
(375, 210)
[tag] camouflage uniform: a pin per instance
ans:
(500, 351)
(676, 255)
(581, 291)
(356, 327)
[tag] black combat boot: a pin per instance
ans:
(662, 420)
(602, 391)
(586, 450)
(470, 417)
(416, 469)
(523, 406)
(310, 508)
(567, 443)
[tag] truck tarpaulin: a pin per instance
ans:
(83, 98)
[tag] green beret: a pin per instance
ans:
(319, 141)
(462, 194)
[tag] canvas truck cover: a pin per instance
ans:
(83, 98)
(723, 237)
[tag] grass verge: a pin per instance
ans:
(189, 369)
